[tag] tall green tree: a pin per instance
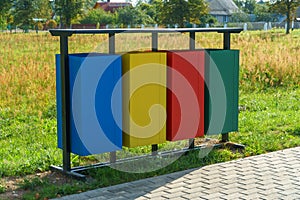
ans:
(247, 6)
(286, 7)
(263, 13)
(23, 12)
(89, 4)
(197, 9)
(95, 16)
(127, 15)
(68, 10)
(181, 11)
(131, 16)
(151, 9)
(42, 9)
(175, 12)
(5, 6)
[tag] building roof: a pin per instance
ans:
(111, 6)
(222, 7)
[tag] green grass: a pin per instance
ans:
(268, 122)
(2, 189)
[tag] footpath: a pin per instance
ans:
(273, 175)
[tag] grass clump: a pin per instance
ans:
(2, 189)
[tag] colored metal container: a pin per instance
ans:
(95, 103)
(144, 98)
(221, 92)
(185, 95)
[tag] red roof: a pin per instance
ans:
(111, 6)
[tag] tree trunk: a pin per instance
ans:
(288, 18)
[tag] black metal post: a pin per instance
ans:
(112, 50)
(191, 143)
(154, 149)
(111, 43)
(226, 45)
(154, 41)
(154, 47)
(226, 40)
(65, 95)
(192, 47)
(192, 40)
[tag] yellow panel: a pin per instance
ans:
(144, 98)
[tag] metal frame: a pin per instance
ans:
(64, 51)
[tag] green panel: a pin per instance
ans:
(221, 91)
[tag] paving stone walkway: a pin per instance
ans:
(274, 175)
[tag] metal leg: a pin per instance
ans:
(65, 95)
(191, 143)
(68, 173)
(226, 45)
(113, 157)
(154, 149)
(225, 137)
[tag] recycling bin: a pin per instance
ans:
(221, 91)
(144, 98)
(185, 94)
(95, 103)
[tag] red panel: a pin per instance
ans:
(185, 95)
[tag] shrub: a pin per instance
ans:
(51, 24)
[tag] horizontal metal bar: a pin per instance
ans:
(75, 171)
(68, 173)
(69, 32)
(120, 161)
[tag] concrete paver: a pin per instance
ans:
(274, 175)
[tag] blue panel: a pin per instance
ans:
(96, 103)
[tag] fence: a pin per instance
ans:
(263, 25)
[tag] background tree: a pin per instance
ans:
(89, 4)
(175, 12)
(42, 9)
(131, 16)
(5, 6)
(197, 9)
(239, 4)
(182, 11)
(68, 10)
(286, 7)
(23, 13)
(240, 17)
(247, 6)
(152, 9)
(95, 16)
(126, 15)
(263, 13)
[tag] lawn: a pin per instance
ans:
(269, 96)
